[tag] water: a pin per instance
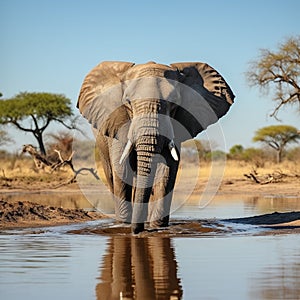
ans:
(56, 263)
(240, 267)
(49, 266)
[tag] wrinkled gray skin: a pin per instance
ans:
(142, 114)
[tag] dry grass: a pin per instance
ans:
(22, 173)
(228, 179)
(235, 170)
(23, 170)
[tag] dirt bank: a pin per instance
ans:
(29, 214)
(286, 188)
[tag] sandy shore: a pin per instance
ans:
(288, 188)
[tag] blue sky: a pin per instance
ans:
(50, 45)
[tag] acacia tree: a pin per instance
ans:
(277, 137)
(279, 71)
(33, 112)
(236, 152)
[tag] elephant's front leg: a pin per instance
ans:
(122, 184)
(122, 199)
(162, 193)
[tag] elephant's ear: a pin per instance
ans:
(205, 97)
(100, 98)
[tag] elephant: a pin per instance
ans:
(142, 113)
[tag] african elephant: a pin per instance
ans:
(142, 113)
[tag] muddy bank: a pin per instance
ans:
(29, 214)
(274, 219)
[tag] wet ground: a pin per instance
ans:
(231, 249)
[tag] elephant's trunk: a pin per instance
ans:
(147, 159)
(150, 133)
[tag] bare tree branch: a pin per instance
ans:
(279, 70)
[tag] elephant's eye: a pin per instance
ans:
(128, 101)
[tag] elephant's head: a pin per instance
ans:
(155, 107)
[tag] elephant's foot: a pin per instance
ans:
(123, 223)
(136, 228)
(164, 222)
(124, 220)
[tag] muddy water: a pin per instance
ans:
(225, 262)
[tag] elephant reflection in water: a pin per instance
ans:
(139, 268)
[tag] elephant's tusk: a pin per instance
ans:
(126, 151)
(173, 150)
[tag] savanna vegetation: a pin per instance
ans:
(19, 169)
(34, 112)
